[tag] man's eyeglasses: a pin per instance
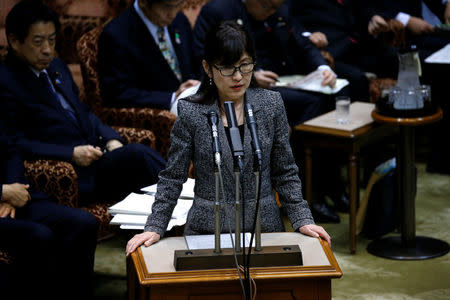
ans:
(229, 71)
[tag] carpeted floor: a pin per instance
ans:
(366, 277)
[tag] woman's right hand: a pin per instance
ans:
(147, 238)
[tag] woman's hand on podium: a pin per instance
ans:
(147, 238)
(316, 231)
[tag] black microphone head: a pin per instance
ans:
(212, 118)
(230, 114)
(249, 113)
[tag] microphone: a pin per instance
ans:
(213, 121)
(251, 122)
(235, 136)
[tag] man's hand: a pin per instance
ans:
(16, 194)
(266, 79)
(377, 25)
(329, 78)
(418, 26)
(112, 145)
(185, 85)
(84, 155)
(6, 210)
(447, 13)
(319, 39)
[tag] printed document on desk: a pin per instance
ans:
(206, 241)
(441, 56)
(311, 82)
(186, 193)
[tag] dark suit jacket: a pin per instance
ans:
(390, 8)
(192, 141)
(11, 164)
(279, 47)
(44, 129)
(337, 19)
(132, 70)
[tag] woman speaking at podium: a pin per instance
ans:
(229, 62)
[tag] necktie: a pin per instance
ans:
(43, 77)
(167, 53)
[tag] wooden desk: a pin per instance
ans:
(151, 274)
(408, 246)
(327, 134)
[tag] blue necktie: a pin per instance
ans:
(43, 76)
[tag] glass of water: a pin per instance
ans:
(342, 109)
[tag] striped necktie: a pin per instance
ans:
(167, 53)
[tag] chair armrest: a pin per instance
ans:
(137, 135)
(157, 120)
(55, 178)
(376, 85)
(396, 35)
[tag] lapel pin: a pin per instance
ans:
(57, 80)
(239, 22)
(177, 38)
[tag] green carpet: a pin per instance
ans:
(366, 277)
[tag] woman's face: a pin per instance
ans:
(233, 86)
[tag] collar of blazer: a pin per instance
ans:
(251, 96)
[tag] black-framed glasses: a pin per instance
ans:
(230, 70)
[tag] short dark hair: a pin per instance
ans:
(151, 2)
(224, 45)
(26, 13)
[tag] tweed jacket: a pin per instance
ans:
(191, 140)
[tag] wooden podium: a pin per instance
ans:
(151, 274)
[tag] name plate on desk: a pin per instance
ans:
(269, 256)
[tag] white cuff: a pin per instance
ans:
(306, 34)
(403, 18)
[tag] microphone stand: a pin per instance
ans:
(258, 213)
(217, 208)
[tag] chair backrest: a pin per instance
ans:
(87, 47)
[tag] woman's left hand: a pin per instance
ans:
(316, 231)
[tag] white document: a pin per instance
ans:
(137, 204)
(186, 193)
(132, 227)
(129, 219)
(311, 82)
(441, 56)
(207, 241)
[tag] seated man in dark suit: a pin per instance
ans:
(419, 18)
(40, 101)
(145, 55)
(52, 246)
(279, 50)
(336, 26)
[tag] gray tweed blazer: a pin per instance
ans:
(191, 140)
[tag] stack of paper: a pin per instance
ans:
(133, 211)
(186, 193)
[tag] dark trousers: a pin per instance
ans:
(120, 172)
(53, 249)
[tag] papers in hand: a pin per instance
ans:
(186, 193)
(132, 212)
(311, 82)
